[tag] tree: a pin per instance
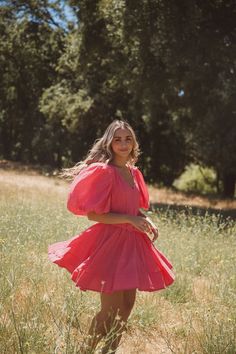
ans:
(107, 71)
(29, 50)
(208, 68)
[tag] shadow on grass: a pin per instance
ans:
(222, 214)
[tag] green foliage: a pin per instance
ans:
(167, 68)
(30, 48)
(207, 69)
(108, 58)
(197, 179)
(60, 105)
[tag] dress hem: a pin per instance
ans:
(110, 292)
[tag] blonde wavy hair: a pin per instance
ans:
(101, 150)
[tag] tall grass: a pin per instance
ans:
(41, 311)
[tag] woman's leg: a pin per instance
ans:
(128, 302)
(101, 324)
(113, 306)
(119, 325)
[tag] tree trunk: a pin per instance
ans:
(229, 180)
(218, 182)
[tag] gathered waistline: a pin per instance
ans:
(127, 227)
(124, 226)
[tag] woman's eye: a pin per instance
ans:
(119, 140)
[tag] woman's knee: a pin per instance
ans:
(118, 305)
(111, 304)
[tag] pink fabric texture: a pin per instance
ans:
(104, 257)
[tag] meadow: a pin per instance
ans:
(42, 312)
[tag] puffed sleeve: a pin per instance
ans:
(91, 190)
(144, 195)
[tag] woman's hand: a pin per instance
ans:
(154, 229)
(144, 224)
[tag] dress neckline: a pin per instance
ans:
(122, 178)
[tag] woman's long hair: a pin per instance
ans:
(101, 150)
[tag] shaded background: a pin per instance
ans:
(69, 68)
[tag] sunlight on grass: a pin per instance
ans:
(42, 311)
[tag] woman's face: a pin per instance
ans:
(122, 143)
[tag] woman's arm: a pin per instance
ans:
(110, 218)
(115, 218)
(142, 223)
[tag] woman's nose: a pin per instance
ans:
(124, 143)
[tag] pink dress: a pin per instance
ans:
(104, 257)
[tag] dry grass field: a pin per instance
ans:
(42, 312)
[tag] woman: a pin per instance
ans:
(114, 257)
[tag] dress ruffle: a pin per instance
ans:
(108, 258)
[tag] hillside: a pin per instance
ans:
(161, 196)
